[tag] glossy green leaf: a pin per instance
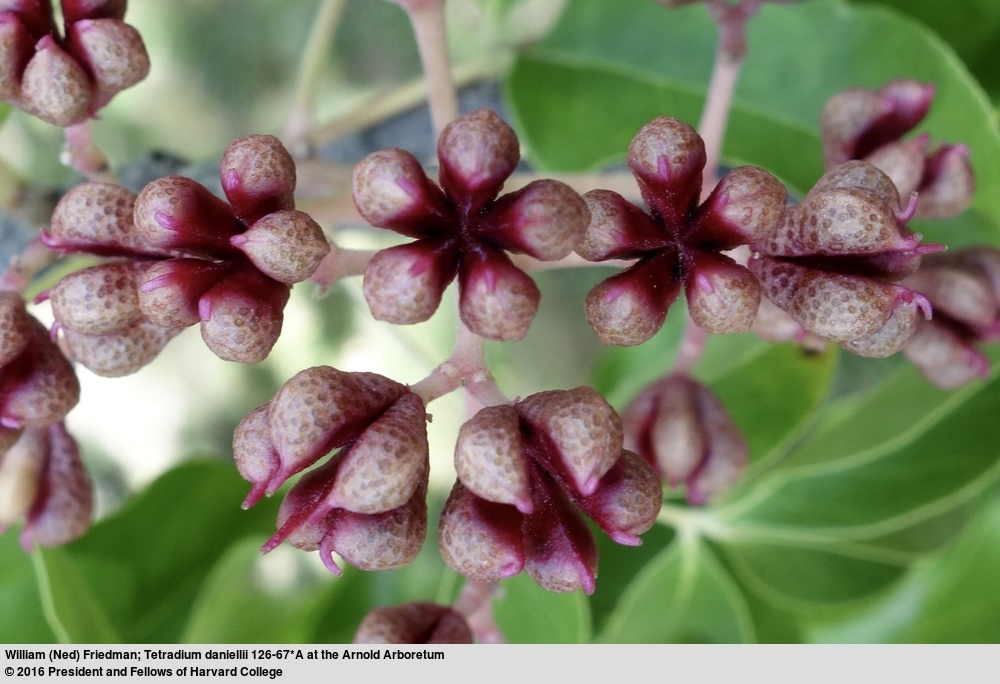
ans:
(949, 597)
(962, 603)
(920, 468)
(799, 577)
(528, 614)
(815, 534)
(608, 68)
(619, 566)
(774, 395)
(682, 595)
(971, 32)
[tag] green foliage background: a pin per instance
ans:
(870, 512)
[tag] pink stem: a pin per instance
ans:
(427, 17)
(341, 263)
(691, 347)
(466, 367)
(25, 265)
(475, 605)
(84, 156)
(729, 54)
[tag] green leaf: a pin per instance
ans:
(239, 604)
(875, 487)
(773, 395)
(78, 611)
(797, 577)
(910, 472)
(619, 565)
(682, 595)
(24, 620)
(528, 614)
(971, 33)
(608, 68)
(145, 565)
(949, 597)
(961, 603)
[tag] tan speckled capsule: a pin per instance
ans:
(490, 457)
(477, 151)
(254, 454)
(478, 538)
(383, 467)
(498, 300)
(321, 408)
(835, 306)
(54, 87)
(545, 219)
(16, 326)
(382, 541)
(96, 217)
(583, 430)
(98, 300)
(722, 295)
(44, 388)
(114, 54)
(121, 352)
(404, 284)
(285, 245)
(258, 176)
